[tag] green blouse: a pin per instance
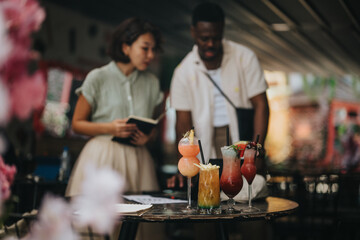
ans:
(112, 95)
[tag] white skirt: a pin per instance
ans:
(135, 164)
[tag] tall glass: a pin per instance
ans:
(209, 190)
(248, 169)
(231, 180)
(189, 149)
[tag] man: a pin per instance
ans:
(197, 101)
(236, 70)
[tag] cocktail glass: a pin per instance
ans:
(209, 190)
(248, 169)
(231, 180)
(189, 149)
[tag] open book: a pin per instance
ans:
(144, 124)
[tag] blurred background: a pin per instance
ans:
(310, 52)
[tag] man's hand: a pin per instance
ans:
(171, 182)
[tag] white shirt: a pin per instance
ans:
(220, 114)
(241, 76)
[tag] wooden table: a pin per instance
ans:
(270, 208)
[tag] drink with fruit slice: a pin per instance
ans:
(231, 180)
(248, 169)
(189, 148)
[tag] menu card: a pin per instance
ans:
(148, 199)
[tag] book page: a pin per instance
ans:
(143, 119)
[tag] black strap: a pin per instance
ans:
(221, 91)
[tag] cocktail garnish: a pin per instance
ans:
(206, 166)
(237, 149)
(190, 135)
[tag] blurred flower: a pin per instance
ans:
(54, 118)
(7, 175)
(101, 191)
(23, 17)
(28, 93)
(4, 41)
(54, 221)
(23, 93)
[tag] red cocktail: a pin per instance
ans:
(231, 180)
(248, 169)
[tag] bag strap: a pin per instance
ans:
(221, 91)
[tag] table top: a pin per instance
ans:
(271, 207)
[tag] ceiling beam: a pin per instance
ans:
(350, 14)
(293, 50)
(306, 41)
(327, 33)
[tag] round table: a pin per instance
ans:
(270, 208)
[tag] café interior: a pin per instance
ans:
(310, 53)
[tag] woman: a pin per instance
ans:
(108, 96)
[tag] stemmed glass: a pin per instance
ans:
(248, 169)
(231, 180)
(189, 148)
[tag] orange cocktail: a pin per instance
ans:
(188, 147)
(209, 189)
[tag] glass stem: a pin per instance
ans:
(230, 203)
(250, 196)
(189, 191)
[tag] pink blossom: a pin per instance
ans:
(4, 40)
(54, 221)
(23, 17)
(7, 175)
(27, 93)
(101, 191)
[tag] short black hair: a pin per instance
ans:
(128, 32)
(207, 12)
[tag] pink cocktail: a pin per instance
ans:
(248, 169)
(231, 181)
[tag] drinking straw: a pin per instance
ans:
(201, 152)
(227, 136)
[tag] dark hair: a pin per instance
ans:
(208, 12)
(128, 32)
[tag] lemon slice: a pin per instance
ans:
(191, 136)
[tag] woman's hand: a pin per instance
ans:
(120, 128)
(139, 138)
